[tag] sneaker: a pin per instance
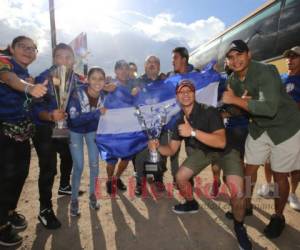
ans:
(74, 208)
(48, 219)
(266, 190)
(190, 207)
(248, 212)
(18, 221)
(242, 236)
(94, 204)
(121, 185)
(9, 237)
(275, 227)
(294, 202)
(67, 190)
(214, 191)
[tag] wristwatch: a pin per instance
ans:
(193, 133)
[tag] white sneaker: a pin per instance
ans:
(294, 201)
(266, 190)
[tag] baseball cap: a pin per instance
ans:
(120, 64)
(294, 50)
(185, 83)
(237, 45)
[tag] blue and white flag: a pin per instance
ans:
(119, 133)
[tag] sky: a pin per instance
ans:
(121, 29)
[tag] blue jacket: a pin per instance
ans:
(48, 102)
(81, 117)
(13, 102)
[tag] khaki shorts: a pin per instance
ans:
(230, 163)
(284, 157)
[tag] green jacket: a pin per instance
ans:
(271, 109)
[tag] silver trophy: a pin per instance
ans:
(152, 124)
(61, 81)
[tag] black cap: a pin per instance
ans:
(237, 45)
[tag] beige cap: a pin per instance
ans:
(294, 50)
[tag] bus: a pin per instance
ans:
(268, 31)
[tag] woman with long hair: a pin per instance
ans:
(84, 109)
(16, 128)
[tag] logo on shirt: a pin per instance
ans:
(73, 112)
(290, 87)
(261, 96)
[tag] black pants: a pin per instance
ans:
(14, 168)
(46, 149)
(66, 163)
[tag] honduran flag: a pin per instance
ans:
(120, 134)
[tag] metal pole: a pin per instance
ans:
(52, 24)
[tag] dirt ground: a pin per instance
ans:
(127, 222)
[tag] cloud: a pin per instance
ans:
(112, 34)
(162, 27)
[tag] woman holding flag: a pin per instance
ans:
(84, 109)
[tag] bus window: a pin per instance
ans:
(259, 32)
(289, 26)
(205, 54)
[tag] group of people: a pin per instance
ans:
(254, 99)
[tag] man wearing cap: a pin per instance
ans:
(114, 182)
(202, 129)
(291, 81)
(181, 65)
(274, 124)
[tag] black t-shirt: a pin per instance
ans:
(204, 118)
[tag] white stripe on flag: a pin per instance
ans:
(123, 120)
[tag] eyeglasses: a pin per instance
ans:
(27, 48)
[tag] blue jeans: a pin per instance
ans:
(76, 148)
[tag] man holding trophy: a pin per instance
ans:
(150, 161)
(152, 73)
(51, 135)
(202, 129)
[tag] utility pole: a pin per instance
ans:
(52, 24)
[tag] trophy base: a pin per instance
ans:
(61, 133)
(152, 168)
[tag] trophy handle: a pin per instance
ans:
(69, 90)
